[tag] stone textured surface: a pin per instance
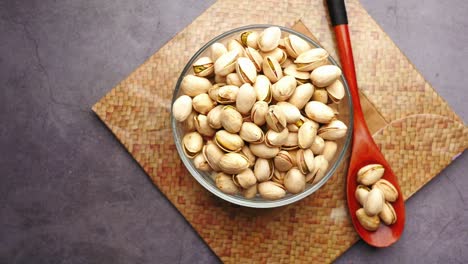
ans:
(60, 202)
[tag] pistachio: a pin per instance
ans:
(320, 169)
(305, 161)
(233, 79)
(318, 146)
(249, 39)
(231, 119)
(374, 202)
(189, 123)
(213, 91)
(311, 59)
(269, 39)
(220, 79)
(329, 150)
(271, 190)
(276, 139)
(192, 85)
(389, 191)
(291, 70)
(245, 99)
(278, 54)
(246, 70)
(361, 194)
(245, 178)
(283, 161)
(213, 155)
(278, 177)
(370, 174)
(370, 223)
(295, 45)
(284, 88)
(259, 113)
(233, 163)
(291, 112)
(263, 169)
(255, 57)
(264, 151)
(291, 142)
(250, 192)
(319, 112)
(325, 75)
(182, 108)
(227, 94)
(228, 142)
(262, 88)
(275, 118)
(202, 125)
(246, 152)
(226, 63)
(306, 135)
(214, 117)
(200, 163)
(217, 50)
(250, 132)
(203, 67)
(294, 181)
(192, 144)
(272, 69)
(286, 63)
(235, 45)
(320, 95)
(225, 183)
(388, 214)
(294, 127)
(336, 91)
(202, 103)
(333, 130)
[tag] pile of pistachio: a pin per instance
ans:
(260, 113)
(376, 199)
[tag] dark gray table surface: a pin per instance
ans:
(70, 193)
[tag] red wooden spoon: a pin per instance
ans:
(364, 150)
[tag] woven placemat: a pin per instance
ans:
(416, 130)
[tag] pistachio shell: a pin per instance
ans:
(300, 76)
(370, 174)
(217, 50)
(249, 39)
(200, 163)
(213, 91)
(203, 67)
(336, 91)
(231, 119)
(370, 223)
(361, 194)
(192, 85)
(320, 95)
(228, 142)
(272, 69)
(214, 117)
(245, 178)
(294, 181)
(291, 142)
(262, 88)
(275, 118)
(291, 112)
(259, 112)
(233, 79)
(329, 150)
(182, 108)
(225, 183)
(333, 130)
(250, 192)
(202, 125)
(283, 161)
(226, 63)
(278, 177)
(202, 103)
(246, 152)
(263, 151)
(321, 166)
(189, 123)
(279, 55)
(286, 63)
(276, 139)
(296, 45)
(255, 57)
(319, 112)
(250, 132)
(311, 59)
(263, 169)
(389, 191)
(192, 144)
(325, 75)
(233, 163)
(227, 94)
(305, 161)
(269, 39)
(245, 99)
(221, 79)
(388, 214)
(213, 155)
(235, 45)
(318, 146)
(246, 70)
(284, 88)
(271, 190)
(306, 135)
(374, 202)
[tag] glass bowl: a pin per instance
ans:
(345, 114)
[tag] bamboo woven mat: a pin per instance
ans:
(417, 131)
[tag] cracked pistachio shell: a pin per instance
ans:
(291, 142)
(272, 69)
(329, 150)
(320, 95)
(250, 192)
(318, 145)
(275, 118)
(389, 191)
(233, 163)
(294, 181)
(291, 112)
(262, 87)
(202, 125)
(225, 183)
(245, 99)
(231, 119)
(202, 103)
(203, 67)
(305, 160)
(214, 117)
(200, 163)
(226, 63)
(263, 151)
(325, 75)
(192, 85)
(388, 214)
(189, 123)
(320, 168)
(259, 112)
(246, 70)
(233, 79)
(221, 79)
(192, 143)
(245, 178)
(284, 88)
(250, 132)
(255, 57)
(291, 70)
(279, 55)
(286, 63)
(271, 190)
(333, 130)
(278, 177)
(182, 108)
(246, 152)
(336, 91)
(374, 202)
(249, 39)
(269, 39)
(276, 139)
(370, 223)
(263, 169)
(311, 59)
(295, 45)
(217, 50)
(228, 142)
(283, 161)
(306, 135)
(319, 112)
(361, 193)
(213, 91)
(235, 45)
(370, 174)
(227, 94)
(213, 155)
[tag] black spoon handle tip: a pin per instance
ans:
(337, 11)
